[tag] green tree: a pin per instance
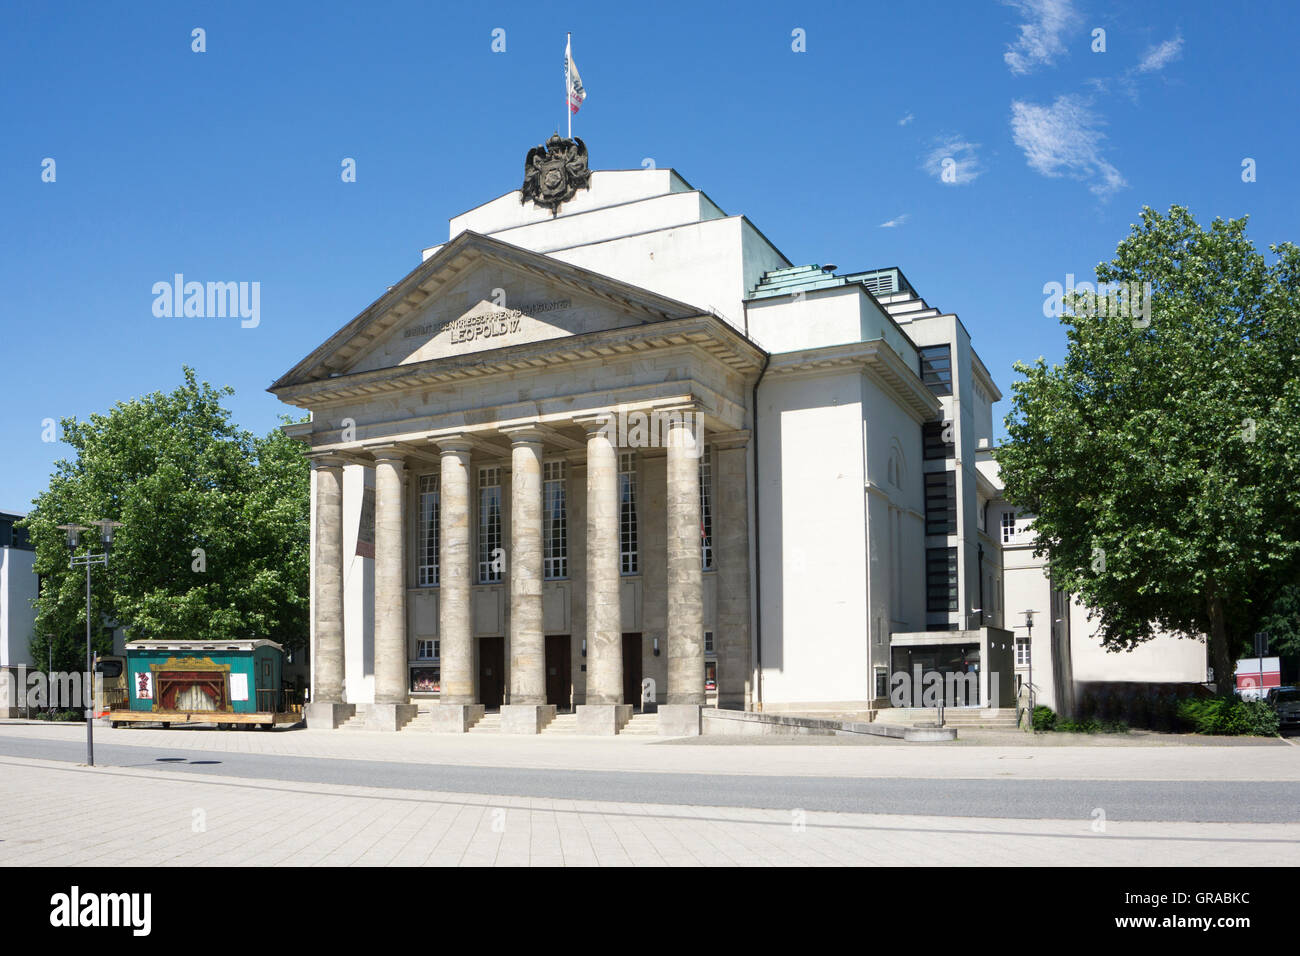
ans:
(1160, 458)
(213, 543)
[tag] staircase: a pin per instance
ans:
(487, 724)
(564, 725)
(641, 725)
(983, 718)
(357, 722)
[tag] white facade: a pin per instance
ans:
(18, 584)
(1066, 652)
(843, 417)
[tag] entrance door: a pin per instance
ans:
(558, 671)
(632, 670)
(491, 671)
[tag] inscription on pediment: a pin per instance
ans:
(499, 323)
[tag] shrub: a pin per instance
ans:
(1044, 718)
(1221, 715)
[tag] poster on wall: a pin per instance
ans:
(366, 525)
(143, 685)
(239, 687)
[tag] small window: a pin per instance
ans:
(940, 580)
(427, 650)
(490, 552)
(882, 682)
(938, 440)
(629, 556)
(936, 368)
(1008, 527)
(556, 519)
(708, 642)
(706, 510)
(941, 502)
(1022, 652)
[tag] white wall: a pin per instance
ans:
(814, 607)
(17, 616)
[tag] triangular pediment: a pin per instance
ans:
(479, 294)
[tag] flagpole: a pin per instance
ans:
(568, 58)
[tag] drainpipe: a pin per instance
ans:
(758, 549)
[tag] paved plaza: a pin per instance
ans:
(188, 796)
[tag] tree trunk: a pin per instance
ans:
(1222, 658)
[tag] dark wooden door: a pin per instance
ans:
(491, 671)
(632, 670)
(558, 671)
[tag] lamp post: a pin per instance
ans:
(1029, 626)
(73, 532)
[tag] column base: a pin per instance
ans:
(390, 717)
(526, 718)
(323, 715)
(602, 720)
(455, 718)
(679, 720)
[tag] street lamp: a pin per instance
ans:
(73, 532)
(1029, 626)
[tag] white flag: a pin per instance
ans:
(577, 93)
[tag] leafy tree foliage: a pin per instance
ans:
(214, 536)
(1160, 458)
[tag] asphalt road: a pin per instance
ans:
(1172, 801)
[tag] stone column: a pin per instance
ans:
(731, 543)
(327, 708)
(527, 712)
(604, 712)
(392, 707)
(685, 440)
(457, 709)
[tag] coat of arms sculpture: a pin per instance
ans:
(554, 173)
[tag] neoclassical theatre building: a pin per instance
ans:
(608, 450)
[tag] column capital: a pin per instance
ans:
(525, 434)
(390, 453)
(595, 422)
(324, 459)
(455, 443)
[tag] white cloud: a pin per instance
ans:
(1157, 57)
(1064, 140)
(1040, 39)
(906, 119)
(896, 221)
(953, 161)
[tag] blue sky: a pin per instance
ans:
(225, 165)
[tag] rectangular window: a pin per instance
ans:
(936, 368)
(937, 440)
(427, 650)
(1022, 652)
(708, 642)
(555, 521)
(941, 502)
(490, 555)
(1008, 527)
(628, 549)
(940, 579)
(706, 510)
(429, 531)
(882, 682)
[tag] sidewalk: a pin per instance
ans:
(874, 757)
(162, 819)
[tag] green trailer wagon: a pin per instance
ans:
(228, 683)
